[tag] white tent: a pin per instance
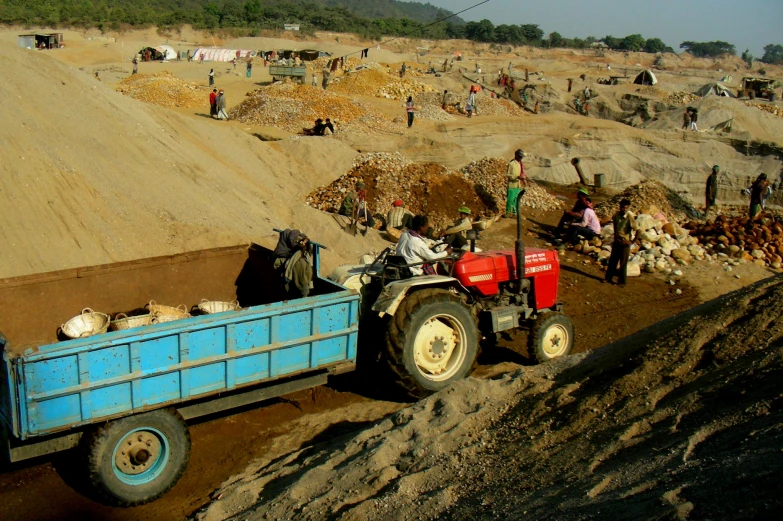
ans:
(715, 89)
(221, 55)
(646, 77)
(167, 51)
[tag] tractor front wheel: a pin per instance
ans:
(552, 336)
(431, 341)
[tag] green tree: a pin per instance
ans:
(532, 33)
(708, 49)
(632, 42)
(611, 42)
(555, 39)
(773, 54)
(654, 45)
(483, 31)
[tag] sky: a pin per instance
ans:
(748, 24)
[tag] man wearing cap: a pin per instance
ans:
(353, 202)
(399, 217)
(711, 192)
(455, 236)
(576, 213)
(516, 178)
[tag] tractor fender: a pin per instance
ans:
(395, 292)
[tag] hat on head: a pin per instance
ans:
(221, 91)
(519, 153)
(464, 209)
(763, 176)
(360, 185)
(583, 191)
(398, 202)
(716, 168)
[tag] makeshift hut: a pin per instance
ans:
(715, 89)
(756, 87)
(646, 77)
(221, 55)
(167, 52)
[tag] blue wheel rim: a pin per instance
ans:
(153, 468)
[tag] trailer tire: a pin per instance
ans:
(419, 320)
(552, 336)
(132, 477)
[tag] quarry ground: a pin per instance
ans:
(656, 425)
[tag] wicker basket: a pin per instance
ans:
(161, 314)
(123, 321)
(393, 234)
(87, 324)
(217, 306)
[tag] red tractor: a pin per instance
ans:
(433, 323)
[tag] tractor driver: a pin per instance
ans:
(413, 247)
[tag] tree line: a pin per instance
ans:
(373, 19)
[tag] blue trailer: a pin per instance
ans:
(125, 396)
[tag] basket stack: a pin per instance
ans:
(161, 314)
(86, 324)
(122, 321)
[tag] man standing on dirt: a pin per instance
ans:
(711, 192)
(582, 202)
(624, 225)
(211, 77)
(220, 103)
(410, 108)
(757, 192)
(686, 119)
(249, 67)
(213, 103)
(570, 84)
(414, 249)
(694, 119)
(135, 66)
(516, 178)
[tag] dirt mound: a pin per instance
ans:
(648, 197)
(92, 176)
(655, 426)
(489, 177)
(294, 107)
(373, 82)
(427, 189)
(164, 89)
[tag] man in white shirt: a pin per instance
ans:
(588, 228)
(413, 247)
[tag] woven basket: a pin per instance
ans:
(217, 306)
(393, 234)
(87, 324)
(123, 321)
(162, 314)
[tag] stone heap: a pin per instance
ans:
(293, 107)
(681, 98)
(649, 197)
(759, 241)
(767, 107)
(427, 189)
(165, 89)
(374, 82)
(489, 177)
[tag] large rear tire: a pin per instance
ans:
(137, 459)
(552, 336)
(431, 341)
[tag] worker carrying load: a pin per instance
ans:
(293, 256)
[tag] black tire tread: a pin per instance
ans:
(93, 445)
(395, 338)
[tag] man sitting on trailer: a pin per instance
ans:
(293, 255)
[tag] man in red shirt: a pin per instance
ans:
(212, 103)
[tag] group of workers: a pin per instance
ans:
(759, 191)
(320, 128)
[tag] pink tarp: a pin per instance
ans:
(221, 55)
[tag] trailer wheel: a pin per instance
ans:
(552, 336)
(431, 342)
(135, 460)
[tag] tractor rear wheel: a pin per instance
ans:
(431, 341)
(552, 336)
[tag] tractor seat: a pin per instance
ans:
(397, 268)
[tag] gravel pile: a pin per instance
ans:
(373, 82)
(164, 89)
(293, 107)
(681, 98)
(428, 189)
(433, 113)
(648, 197)
(766, 107)
(489, 177)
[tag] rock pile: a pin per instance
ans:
(433, 113)
(681, 98)
(165, 89)
(489, 177)
(293, 107)
(766, 107)
(427, 189)
(373, 82)
(734, 238)
(648, 197)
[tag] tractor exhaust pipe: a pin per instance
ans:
(582, 179)
(519, 245)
